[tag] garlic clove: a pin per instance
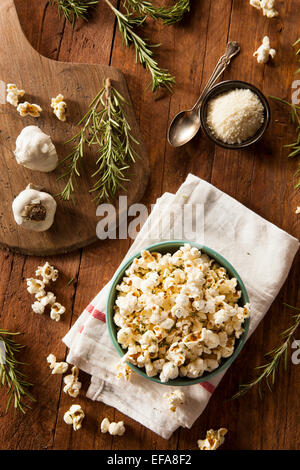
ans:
(34, 209)
(35, 150)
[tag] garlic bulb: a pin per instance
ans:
(35, 150)
(34, 209)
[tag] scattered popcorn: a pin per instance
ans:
(48, 299)
(73, 385)
(37, 307)
(56, 311)
(57, 367)
(264, 52)
(74, 416)
(178, 315)
(59, 107)
(175, 399)
(13, 94)
(28, 109)
(35, 286)
(297, 210)
(105, 425)
(47, 273)
(43, 300)
(267, 7)
(124, 371)
(40, 294)
(117, 429)
(213, 440)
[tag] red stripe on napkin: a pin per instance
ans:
(99, 315)
(80, 329)
(209, 387)
(89, 308)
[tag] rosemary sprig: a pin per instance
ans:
(105, 126)
(10, 374)
(143, 48)
(111, 133)
(297, 43)
(295, 119)
(74, 9)
(127, 23)
(169, 15)
(71, 161)
(270, 368)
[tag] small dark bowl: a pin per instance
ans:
(221, 88)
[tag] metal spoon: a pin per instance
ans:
(186, 124)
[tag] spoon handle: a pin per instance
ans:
(232, 49)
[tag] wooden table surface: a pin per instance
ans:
(260, 178)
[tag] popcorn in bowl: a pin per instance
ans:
(178, 315)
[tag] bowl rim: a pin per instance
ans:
(222, 87)
(179, 381)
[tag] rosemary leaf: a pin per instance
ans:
(275, 356)
(72, 160)
(295, 119)
(11, 375)
(144, 50)
(297, 43)
(111, 134)
(74, 9)
(169, 15)
(128, 22)
(104, 126)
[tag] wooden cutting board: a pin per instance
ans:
(42, 79)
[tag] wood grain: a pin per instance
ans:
(260, 178)
(43, 78)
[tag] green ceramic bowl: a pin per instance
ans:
(171, 247)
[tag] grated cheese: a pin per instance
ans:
(235, 116)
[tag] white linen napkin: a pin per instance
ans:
(261, 253)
